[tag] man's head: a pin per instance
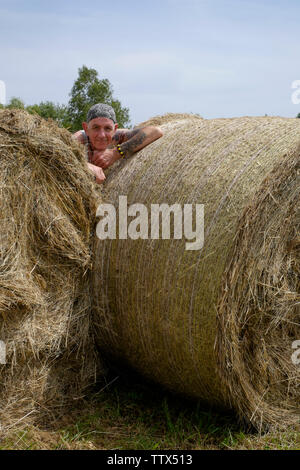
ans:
(100, 125)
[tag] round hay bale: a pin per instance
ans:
(168, 117)
(47, 215)
(218, 323)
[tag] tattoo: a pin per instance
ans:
(119, 136)
(130, 134)
(135, 139)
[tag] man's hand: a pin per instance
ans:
(104, 159)
(98, 172)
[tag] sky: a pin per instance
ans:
(217, 58)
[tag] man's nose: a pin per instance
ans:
(101, 133)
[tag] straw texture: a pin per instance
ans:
(47, 217)
(216, 324)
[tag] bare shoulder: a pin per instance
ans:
(78, 136)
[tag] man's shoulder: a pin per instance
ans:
(80, 136)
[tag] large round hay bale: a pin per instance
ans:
(168, 117)
(47, 216)
(219, 323)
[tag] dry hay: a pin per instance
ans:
(47, 215)
(168, 117)
(216, 324)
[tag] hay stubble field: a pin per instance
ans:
(133, 414)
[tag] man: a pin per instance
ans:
(106, 143)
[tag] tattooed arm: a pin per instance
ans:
(130, 141)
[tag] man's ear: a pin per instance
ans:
(85, 126)
(116, 126)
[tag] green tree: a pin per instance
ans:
(15, 102)
(298, 115)
(48, 109)
(88, 90)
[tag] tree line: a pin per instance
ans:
(87, 90)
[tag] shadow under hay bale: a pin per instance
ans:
(47, 219)
(217, 324)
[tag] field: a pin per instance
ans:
(128, 413)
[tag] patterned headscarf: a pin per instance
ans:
(101, 110)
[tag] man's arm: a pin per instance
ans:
(132, 141)
(98, 173)
(129, 141)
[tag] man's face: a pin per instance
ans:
(100, 131)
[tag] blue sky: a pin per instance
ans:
(218, 58)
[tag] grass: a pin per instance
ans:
(133, 414)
